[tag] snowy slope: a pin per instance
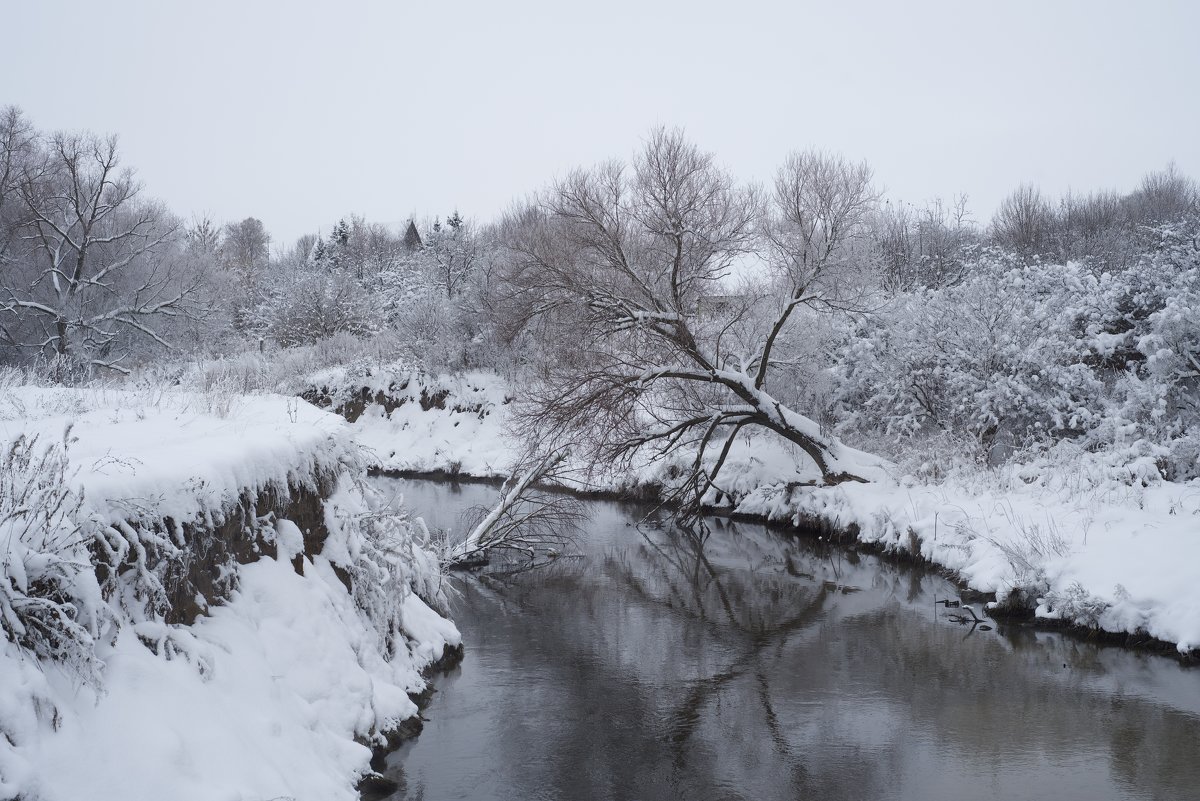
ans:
(1125, 565)
(285, 681)
(466, 433)
(283, 688)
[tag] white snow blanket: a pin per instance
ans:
(185, 452)
(279, 691)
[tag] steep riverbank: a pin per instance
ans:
(1070, 542)
(200, 598)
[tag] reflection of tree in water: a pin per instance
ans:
(747, 667)
(766, 591)
(723, 612)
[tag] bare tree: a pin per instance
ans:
(1092, 228)
(17, 145)
(203, 237)
(450, 254)
(926, 246)
(97, 271)
(1105, 229)
(246, 246)
(1024, 223)
(893, 228)
(658, 354)
(1165, 196)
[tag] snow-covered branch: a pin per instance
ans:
(524, 520)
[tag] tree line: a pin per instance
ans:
(659, 306)
(99, 279)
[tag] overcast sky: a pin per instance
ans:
(301, 112)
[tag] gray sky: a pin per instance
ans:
(299, 113)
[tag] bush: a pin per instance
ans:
(49, 598)
(999, 361)
(315, 305)
(1017, 358)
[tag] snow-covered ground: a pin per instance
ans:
(280, 690)
(1121, 557)
(185, 453)
(1085, 542)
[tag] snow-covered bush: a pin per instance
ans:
(1074, 605)
(1161, 397)
(316, 304)
(997, 362)
(445, 332)
(49, 598)
(387, 555)
(1020, 358)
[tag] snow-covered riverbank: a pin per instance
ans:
(1072, 537)
(310, 634)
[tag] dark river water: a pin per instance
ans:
(759, 666)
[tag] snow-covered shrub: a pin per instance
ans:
(1162, 396)
(134, 557)
(316, 304)
(1029, 546)
(444, 332)
(387, 555)
(1020, 359)
(1074, 605)
(997, 362)
(49, 598)
(271, 369)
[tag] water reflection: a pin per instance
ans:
(751, 666)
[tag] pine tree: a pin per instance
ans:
(341, 234)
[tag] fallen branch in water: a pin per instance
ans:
(526, 521)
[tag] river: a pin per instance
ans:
(762, 666)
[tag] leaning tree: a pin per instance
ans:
(629, 268)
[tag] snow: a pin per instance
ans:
(186, 453)
(1104, 545)
(292, 681)
(1121, 558)
(470, 439)
(282, 688)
